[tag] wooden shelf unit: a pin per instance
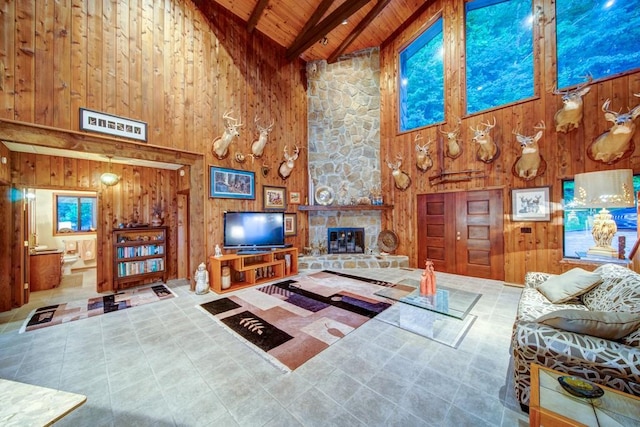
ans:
(344, 208)
(249, 270)
(139, 254)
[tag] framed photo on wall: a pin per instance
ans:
(96, 121)
(274, 198)
(290, 224)
(294, 197)
(530, 204)
(231, 183)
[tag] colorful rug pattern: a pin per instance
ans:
(75, 310)
(294, 320)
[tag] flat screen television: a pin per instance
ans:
(253, 231)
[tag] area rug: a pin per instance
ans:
(62, 313)
(292, 321)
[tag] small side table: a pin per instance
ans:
(552, 406)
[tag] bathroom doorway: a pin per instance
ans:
(62, 225)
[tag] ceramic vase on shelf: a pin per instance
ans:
(156, 221)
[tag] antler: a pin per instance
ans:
(605, 107)
(489, 126)
(588, 77)
(417, 138)
(540, 125)
(227, 116)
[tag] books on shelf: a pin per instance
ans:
(131, 268)
(138, 251)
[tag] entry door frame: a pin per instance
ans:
(449, 235)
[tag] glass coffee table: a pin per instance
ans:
(448, 301)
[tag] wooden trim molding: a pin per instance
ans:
(45, 136)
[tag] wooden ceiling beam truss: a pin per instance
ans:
(373, 13)
(315, 18)
(323, 28)
(256, 14)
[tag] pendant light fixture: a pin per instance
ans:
(109, 178)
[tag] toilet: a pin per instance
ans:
(70, 256)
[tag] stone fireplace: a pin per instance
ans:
(344, 144)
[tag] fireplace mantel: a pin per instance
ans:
(344, 207)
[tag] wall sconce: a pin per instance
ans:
(602, 190)
(109, 178)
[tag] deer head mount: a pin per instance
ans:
(615, 144)
(257, 146)
(487, 149)
(452, 145)
(423, 158)
(287, 165)
(401, 179)
(570, 115)
(221, 144)
(530, 164)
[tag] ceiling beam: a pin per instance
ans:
(373, 13)
(256, 14)
(315, 18)
(343, 12)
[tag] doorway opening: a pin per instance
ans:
(62, 227)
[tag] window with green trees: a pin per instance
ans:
(596, 37)
(75, 214)
(499, 52)
(421, 88)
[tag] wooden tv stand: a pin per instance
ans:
(249, 270)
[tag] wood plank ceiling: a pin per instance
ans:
(325, 29)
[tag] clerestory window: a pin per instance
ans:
(499, 53)
(596, 37)
(421, 86)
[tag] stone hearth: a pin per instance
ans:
(317, 262)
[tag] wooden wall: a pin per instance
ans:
(565, 154)
(168, 64)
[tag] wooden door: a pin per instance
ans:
(462, 233)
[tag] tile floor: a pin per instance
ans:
(169, 364)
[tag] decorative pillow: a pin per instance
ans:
(569, 285)
(609, 325)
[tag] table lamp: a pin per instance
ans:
(602, 190)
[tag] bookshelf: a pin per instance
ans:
(139, 255)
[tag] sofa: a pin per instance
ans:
(581, 323)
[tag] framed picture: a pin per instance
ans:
(530, 204)
(290, 224)
(231, 183)
(274, 198)
(112, 125)
(294, 197)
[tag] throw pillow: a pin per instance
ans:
(609, 325)
(569, 285)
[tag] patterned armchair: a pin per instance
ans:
(614, 363)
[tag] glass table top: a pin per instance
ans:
(448, 301)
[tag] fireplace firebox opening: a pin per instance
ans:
(346, 240)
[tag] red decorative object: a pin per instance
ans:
(428, 280)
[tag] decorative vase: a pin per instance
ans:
(226, 277)
(156, 221)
